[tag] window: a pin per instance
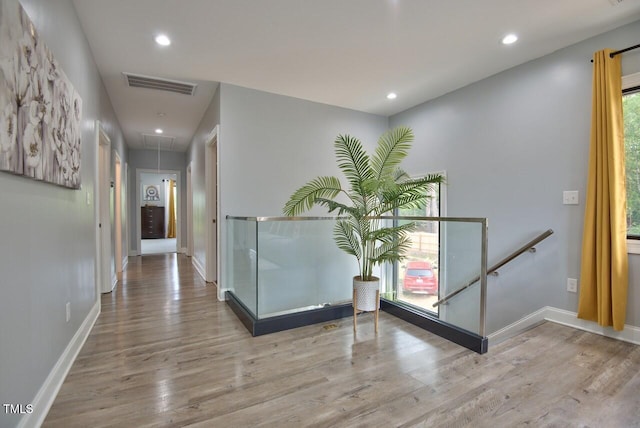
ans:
(631, 112)
(631, 107)
(415, 279)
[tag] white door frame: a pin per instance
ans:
(212, 198)
(137, 207)
(117, 218)
(127, 215)
(102, 190)
(189, 212)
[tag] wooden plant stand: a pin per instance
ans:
(356, 311)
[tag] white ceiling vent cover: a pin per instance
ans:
(150, 82)
(158, 142)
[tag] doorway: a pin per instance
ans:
(118, 215)
(105, 268)
(157, 214)
(189, 212)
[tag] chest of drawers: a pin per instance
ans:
(152, 222)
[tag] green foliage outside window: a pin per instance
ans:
(631, 108)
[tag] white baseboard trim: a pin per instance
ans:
(114, 282)
(125, 262)
(49, 389)
(182, 250)
(518, 327)
(199, 268)
(133, 253)
(630, 333)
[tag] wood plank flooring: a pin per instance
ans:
(165, 353)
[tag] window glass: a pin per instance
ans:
(631, 109)
(415, 279)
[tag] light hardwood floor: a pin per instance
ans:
(164, 352)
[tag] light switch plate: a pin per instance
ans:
(570, 197)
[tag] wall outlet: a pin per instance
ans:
(68, 307)
(572, 285)
(570, 197)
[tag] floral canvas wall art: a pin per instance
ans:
(40, 111)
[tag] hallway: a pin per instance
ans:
(164, 352)
(158, 246)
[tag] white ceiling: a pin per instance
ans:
(347, 53)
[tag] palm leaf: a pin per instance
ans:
(427, 179)
(353, 161)
(390, 234)
(377, 185)
(415, 199)
(334, 205)
(346, 239)
(399, 175)
(305, 197)
(392, 148)
(391, 251)
(412, 193)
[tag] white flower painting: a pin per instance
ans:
(40, 111)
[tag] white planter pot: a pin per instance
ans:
(366, 294)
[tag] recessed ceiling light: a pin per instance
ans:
(509, 39)
(159, 131)
(392, 96)
(163, 40)
(161, 114)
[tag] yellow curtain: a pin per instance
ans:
(604, 270)
(171, 233)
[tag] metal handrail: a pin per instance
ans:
(528, 246)
(261, 219)
(390, 217)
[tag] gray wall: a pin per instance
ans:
(48, 232)
(148, 159)
(269, 145)
(510, 145)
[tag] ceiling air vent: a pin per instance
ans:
(158, 142)
(149, 82)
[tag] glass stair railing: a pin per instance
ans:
(284, 272)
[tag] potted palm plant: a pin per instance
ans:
(376, 186)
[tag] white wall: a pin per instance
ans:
(48, 232)
(510, 145)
